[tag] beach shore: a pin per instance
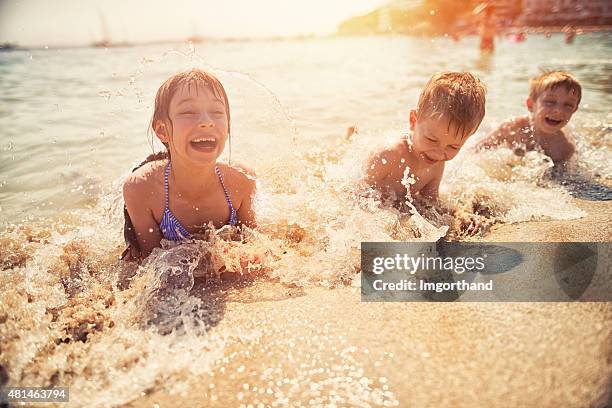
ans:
(317, 346)
(596, 226)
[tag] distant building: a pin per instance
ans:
(562, 12)
(404, 4)
(506, 11)
(393, 7)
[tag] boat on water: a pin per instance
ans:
(110, 44)
(8, 46)
(106, 41)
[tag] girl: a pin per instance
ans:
(177, 193)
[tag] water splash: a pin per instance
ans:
(73, 314)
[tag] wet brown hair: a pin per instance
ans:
(457, 96)
(554, 79)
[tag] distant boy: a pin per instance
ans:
(553, 99)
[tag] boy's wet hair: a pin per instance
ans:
(457, 96)
(554, 79)
(192, 78)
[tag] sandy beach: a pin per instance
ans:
(321, 346)
(328, 344)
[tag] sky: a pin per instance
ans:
(79, 22)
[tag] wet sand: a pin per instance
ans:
(322, 346)
(596, 226)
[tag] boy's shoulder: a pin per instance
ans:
(390, 154)
(385, 162)
(516, 123)
(516, 129)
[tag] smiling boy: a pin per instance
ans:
(450, 109)
(553, 99)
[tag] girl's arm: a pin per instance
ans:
(136, 196)
(246, 212)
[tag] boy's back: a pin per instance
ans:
(387, 173)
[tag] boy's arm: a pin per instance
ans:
(135, 196)
(378, 167)
(568, 150)
(430, 191)
(506, 133)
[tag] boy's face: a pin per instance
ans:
(553, 109)
(434, 140)
(199, 124)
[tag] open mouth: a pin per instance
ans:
(428, 159)
(552, 122)
(204, 144)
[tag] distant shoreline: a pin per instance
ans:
(560, 29)
(509, 29)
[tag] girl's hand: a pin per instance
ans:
(248, 262)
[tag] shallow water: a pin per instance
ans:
(74, 122)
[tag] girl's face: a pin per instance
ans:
(199, 127)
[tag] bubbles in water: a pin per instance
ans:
(504, 187)
(105, 94)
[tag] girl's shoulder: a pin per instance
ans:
(148, 178)
(238, 177)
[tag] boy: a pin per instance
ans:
(450, 109)
(553, 99)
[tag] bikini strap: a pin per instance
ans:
(233, 214)
(166, 174)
